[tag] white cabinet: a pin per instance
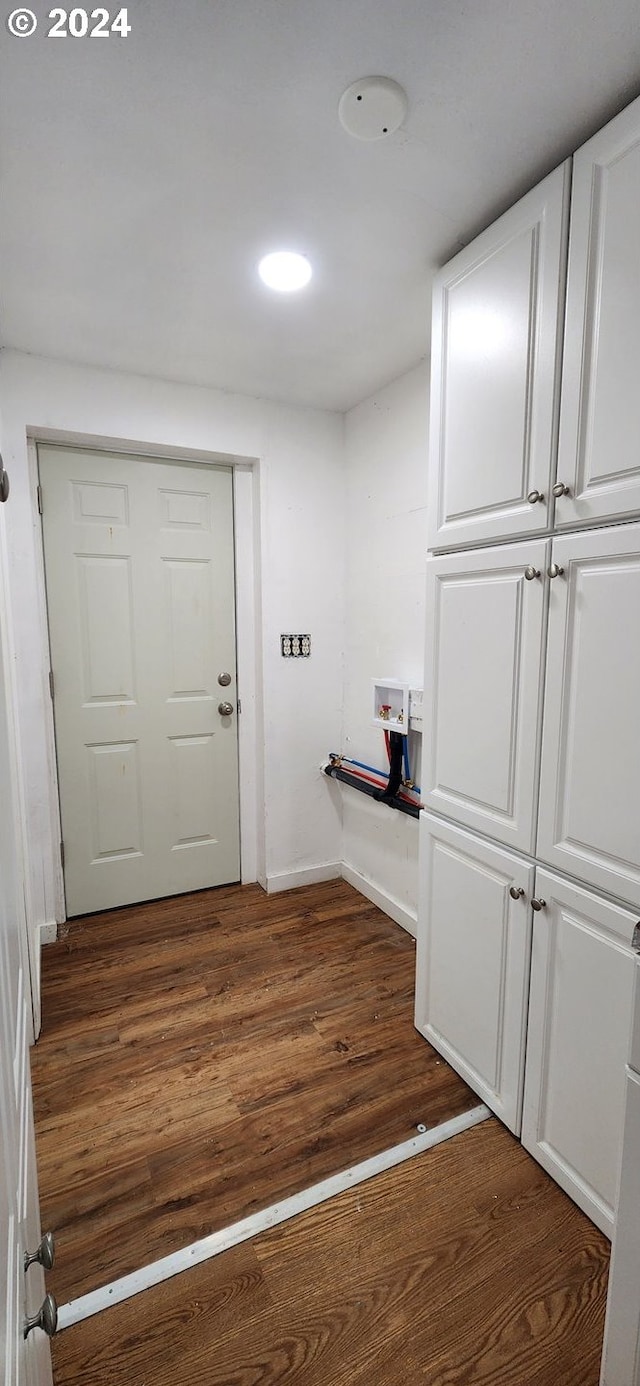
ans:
(473, 961)
(483, 683)
(599, 447)
(621, 1355)
(582, 971)
(496, 313)
(589, 823)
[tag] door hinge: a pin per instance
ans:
(239, 705)
(62, 855)
(39, 495)
(51, 684)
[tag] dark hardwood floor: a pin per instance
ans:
(203, 1056)
(465, 1267)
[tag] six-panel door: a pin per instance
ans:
(140, 585)
(589, 822)
(497, 310)
(482, 688)
(473, 946)
(599, 447)
(582, 970)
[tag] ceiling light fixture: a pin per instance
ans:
(372, 108)
(285, 271)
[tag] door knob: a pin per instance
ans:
(534, 496)
(225, 709)
(538, 905)
(45, 1255)
(530, 572)
(560, 490)
(4, 484)
(224, 680)
(516, 892)
(46, 1318)
(554, 570)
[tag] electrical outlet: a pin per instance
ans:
(295, 646)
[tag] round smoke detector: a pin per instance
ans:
(372, 108)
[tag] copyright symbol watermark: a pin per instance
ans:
(21, 23)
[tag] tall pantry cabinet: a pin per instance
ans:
(530, 836)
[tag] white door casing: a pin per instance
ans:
(21, 1364)
(140, 583)
(582, 970)
(589, 822)
(472, 964)
(599, 444)
(497, 312)
(483, 688)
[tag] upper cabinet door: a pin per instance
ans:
(482, 688)
(599, 448)
(589, 824)
(494, 381)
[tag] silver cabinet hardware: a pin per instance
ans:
(534, 496)
(554, 570)
(560, 490)
(516, 892)
(224, 680)
(45, 1255)
(530, 572)
(46, 1318)
(225, 709)
(538, 905)
(4, 484)
(635, 942)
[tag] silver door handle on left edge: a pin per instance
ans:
(225, 709)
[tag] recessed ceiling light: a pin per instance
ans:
(285, 271)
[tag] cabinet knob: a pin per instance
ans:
(534, 496)
(4, 484)
(560, 490)
(554, 570)
(530, 572)
(44, 1256)
(516, 892)
(538, 905)
(46, 1318)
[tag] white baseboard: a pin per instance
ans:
(47, 933)
(399, 913)
(307, 875)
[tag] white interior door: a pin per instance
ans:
(21, 1364)
(497, 308)
(140, 587)
(589, 821)
(472, 966)
(582, 971)
(482, 688)
(599, 449)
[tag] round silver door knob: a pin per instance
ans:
(516, 892)
(46, 1318)
(530, 572)
(224, 680)
(225, 709)
(554, 570)
(45, 1254)
(538, 905)
(534, 496)
(560, 490)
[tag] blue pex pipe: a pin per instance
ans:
(382, 774)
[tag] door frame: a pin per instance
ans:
(246, 539)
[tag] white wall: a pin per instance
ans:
(298, 455)
(386, 463)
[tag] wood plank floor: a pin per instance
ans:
(467, 1265)
(203, 1056)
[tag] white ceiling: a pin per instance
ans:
(144, 177)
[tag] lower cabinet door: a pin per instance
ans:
(582, 971)
(473, 946)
